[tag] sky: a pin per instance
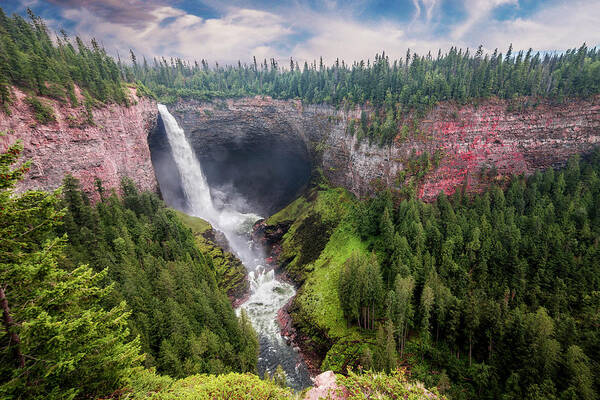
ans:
(228, 31)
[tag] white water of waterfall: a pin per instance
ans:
(268, 294)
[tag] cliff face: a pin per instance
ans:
(259, 148)
(450, 147)
(265, 148)
(113, 147)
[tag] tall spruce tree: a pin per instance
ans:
(57, 341)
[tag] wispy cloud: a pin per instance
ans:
(427, 6)
(124, 12)
(169, 31)
(478, 11)
(333, 29)
(562, 26)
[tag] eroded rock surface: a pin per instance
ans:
(470, 145)
(113, 147)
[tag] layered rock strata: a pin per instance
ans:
(114, 146)
(451, 146)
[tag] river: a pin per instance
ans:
(268, 294)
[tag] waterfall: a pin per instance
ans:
(197, 193)
(193, 180)
(268, 294)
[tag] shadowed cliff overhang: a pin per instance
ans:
(263, 148)
(258, 165)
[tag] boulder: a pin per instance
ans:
(325, 386)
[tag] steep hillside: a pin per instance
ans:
(110, 146)
(230, 272)
(484, 295)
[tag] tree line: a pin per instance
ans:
(32, 59)
(500, 290)
(392, 87)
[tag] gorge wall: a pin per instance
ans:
(266, 148)
(450, 147)
(114, 146)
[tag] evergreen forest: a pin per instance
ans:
(489, 295)
(501, 287)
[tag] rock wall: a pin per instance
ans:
(457, 145)
(257, 148)
(267, 144)
(114, 147)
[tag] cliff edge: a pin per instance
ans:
(114, 146)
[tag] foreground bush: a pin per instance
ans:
(233, 386)
(377, 385)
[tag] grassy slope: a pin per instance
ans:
(316, 308)
(230, 273)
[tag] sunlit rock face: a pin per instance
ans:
(265, 148)
(113, 147)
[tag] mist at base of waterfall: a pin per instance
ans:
(268, 294)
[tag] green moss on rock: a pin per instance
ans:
(229, 270)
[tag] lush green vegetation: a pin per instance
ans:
(185, 322)
(147, 385)
(361, 385)
(497, 294)
(72, 331)
(32, 60)
(88, 293)
(383, 386)
(61, 337)
(42, 112)
(229, 270)
(392, 87)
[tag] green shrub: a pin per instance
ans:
(148, 385)
(44, 114)
(382, 386)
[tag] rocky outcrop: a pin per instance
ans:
(326, 388)
(269, 238)
(452, 146)
(231, 274)
(114, 146)
(369, 386)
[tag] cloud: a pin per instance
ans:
(478, 11)
(427, 5)
(169, 31)
(351, 40)
(560, 27)
(126, 12)
(333, 29)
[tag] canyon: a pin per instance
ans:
(452, 146)
(268, 149)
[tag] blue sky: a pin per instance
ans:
(227, 31)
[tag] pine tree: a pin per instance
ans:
(57, 339)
